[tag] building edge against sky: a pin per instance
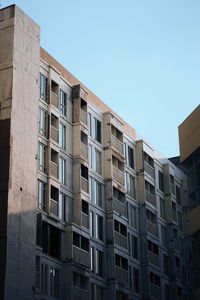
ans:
(89, 209)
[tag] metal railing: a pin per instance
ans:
(150, 198)
(119, 207)
(54, 169)
(55, 134)
(118, 175)
(84, 151)
(83, 116)
(120, 240)
(54, 207)
(117, 144)
(84, 220)
(84, 184)
(152, 228)
(81, 256)
(55, 99)
(149, 169)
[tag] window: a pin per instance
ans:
(172, 184)
(96, 192)
(99, 227)
(63, 103)
(178, 195)
(120, 228)
(136, 280)
(97, 132)
(166, 264)
(99, 263)
(62, 206)
(85, 207)
(148, 159)
(180, 221)
(117, 194)
(89, 124)
(164, 235)
(121, 262)
(162, 208)
(54, 201)
(42, 157)
(167, 292)
(37, 272)
(134, 246)
(130, 185)
(54, 282)
(80, 241)
(130, 157)
(174, 213)
(97, 161)
(92, 259)
(62, 170)
(43, 122)
(41, 195)
(44, 278)
(62, 136)
(152, 247)
(151, 217)
(80, 281)
(155, 279)
(43, 87)
(133, 216)
(51, 238)
(149, 188)
(125, 153)
(161, 181)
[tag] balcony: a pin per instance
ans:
(150, 198)
(119, 207)
(54, 207)
(55, 134)
(84, 185)
(153, 258)
(55, 99)
(54, 169)
(155, 291)
(118, 175)
(121, 275)
(120, 240)
(152, 228)
(83, 117)
(117, 144)
(84, 220)
(84, 151)
(80, 294)
(81, 256)
(149, 169)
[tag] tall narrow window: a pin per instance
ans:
(97, 161)
(41, 195)
(43, 122)
(89, 124)
(62, 207)
(63, 103)
(43, 87)
(100, 263)
(130, 157)
(44, 278)
(130, 185)
(134, 245)
(162, 208)
(42, 157)
(97, 133)
(99, 227)
(54, 282)
(133, 216)
(62, 170)
(161, 181)
(62, 136)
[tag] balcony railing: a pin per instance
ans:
(153, 258)
(84, 220)
(155, 291)
(152, 228)
(54, 207)
(84, 184)
(119, 207)
(149, 169)
(84, 151)
(150, 198)
(54, 169)
(120, 240)
(81, 256)
(83, 116)
(55, 99)
(118, 175)
(121, 274)
(117, 144)
(79, 294)
(55, 134)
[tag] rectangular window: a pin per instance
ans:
(54, 282)
(80, 241)
(43, 122)
(149, 188)
(151, 217)
(92, 223)
(41, 195)
(133, 216)
(120, 228)
(155, 279)
(89, 124)
(162, 208)
(99, 263)
(51, 238)
(99, 227)
(37, 272)
(178, 195)
(62, 136)
(62, 207)
(97, 161)
(180, 221)
(148, 159)
(96, 192)
(121, 262)
(62, 170)
(43, 87)
(80, 281)
(44, 278)
(63, 103)
(161, 181)
(136, 281)
(166, 264)
(125, 153)
(42, 157)
(152, 247)
(92, 267)
(130, 185)
(164, 235)
(90, 156)
(172, 184)
(97, 132)
(134, 246)
(130, 157)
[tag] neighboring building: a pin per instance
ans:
(88, 209)
(189, 137)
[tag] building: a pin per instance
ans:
(89, 209)
(189, 138)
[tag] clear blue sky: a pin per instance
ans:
(141, 57)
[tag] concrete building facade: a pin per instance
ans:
(89, 209)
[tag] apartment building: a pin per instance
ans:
(89, 209)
